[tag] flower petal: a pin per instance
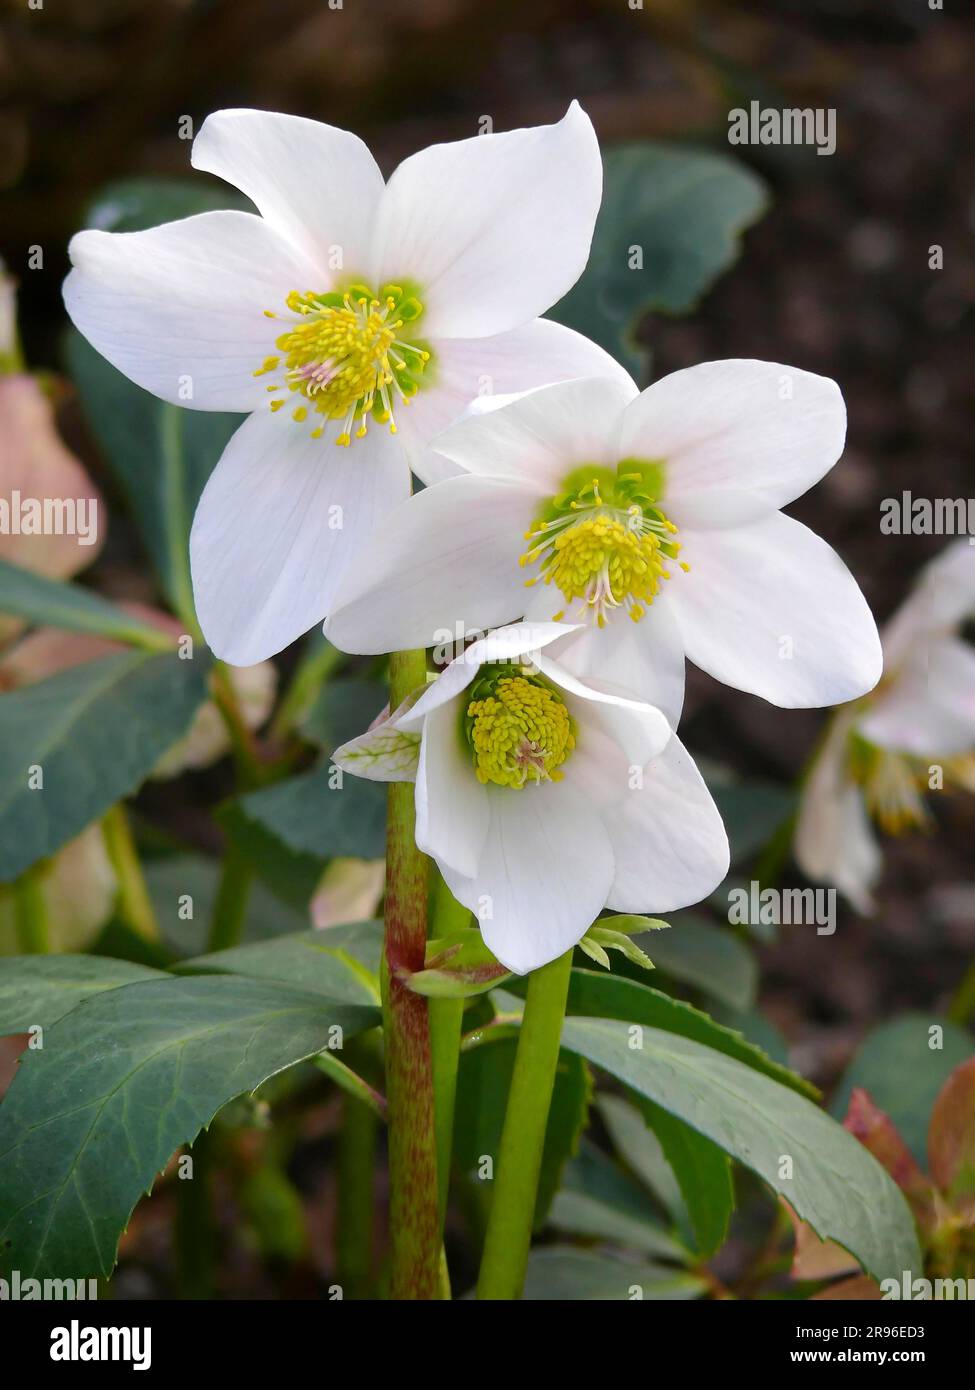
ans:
(668, 836)
(279, 520)
(444, 564)
(644, 658)
(503, 644)
(475, 370)
(639, 730)
(545, 870)
(493, 229)
(316, 185)
(181, 307)
(452, 807)
(940, 601)
(740, 438)
(771, 608)
(538, 437)
(929, 707)
(834, 842)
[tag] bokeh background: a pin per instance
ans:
(833, 277)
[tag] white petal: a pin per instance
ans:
(834, 842)
(739, 438)
(541, 436)
(443, 564)
(639, 730)
(669, 839)
(942, 598)
(474, 370)
(318, 186)
(503, 644)
(545, 870)
(452, 808)
(771, 608)
(644, 658)
(182, 305)
(493, 229)
(279, 520)
(929, 707)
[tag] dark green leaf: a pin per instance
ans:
(121, 1082)
(343, 708)
(903, 1073)
(564, 1274)
(96, 731)
(310, 815)
(579, 1214)
(291, 876)
(183, 883)
(482, 1095)
(341, 962)
(682, 210)
(703, 1172)
(612, 996)
(643, 1154)
(707, 957)
(825, 1175)
(54, 603)
(39, 989)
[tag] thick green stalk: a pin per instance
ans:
(313, 670)
(134, 904)
(230, 905)
(508, 1238)
(355, 1180)
(963, 1005)
(30, 911)
(195, 1233)
(446, 1020)
(413, 1203)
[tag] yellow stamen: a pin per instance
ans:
(520, 732)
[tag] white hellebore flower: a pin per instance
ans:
(915, 734)
(344, 302)
(653, 518)
(544, 801)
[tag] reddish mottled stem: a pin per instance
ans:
(414, 1223)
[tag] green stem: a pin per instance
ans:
(195, 1233)
(30, 911)
(134, 903)
(355, 1176)
(509, 1229)
(251, 771)
(963, 1005)
(230, 906)
(446, 1020)
(312, 671)
(413, 1203)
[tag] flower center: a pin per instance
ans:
(343, 355)
(604, 541)
(518, 729)
(893, 785)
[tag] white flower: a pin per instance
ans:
(653, 518)
(879, 755)
(344, 301)
(544, 801)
